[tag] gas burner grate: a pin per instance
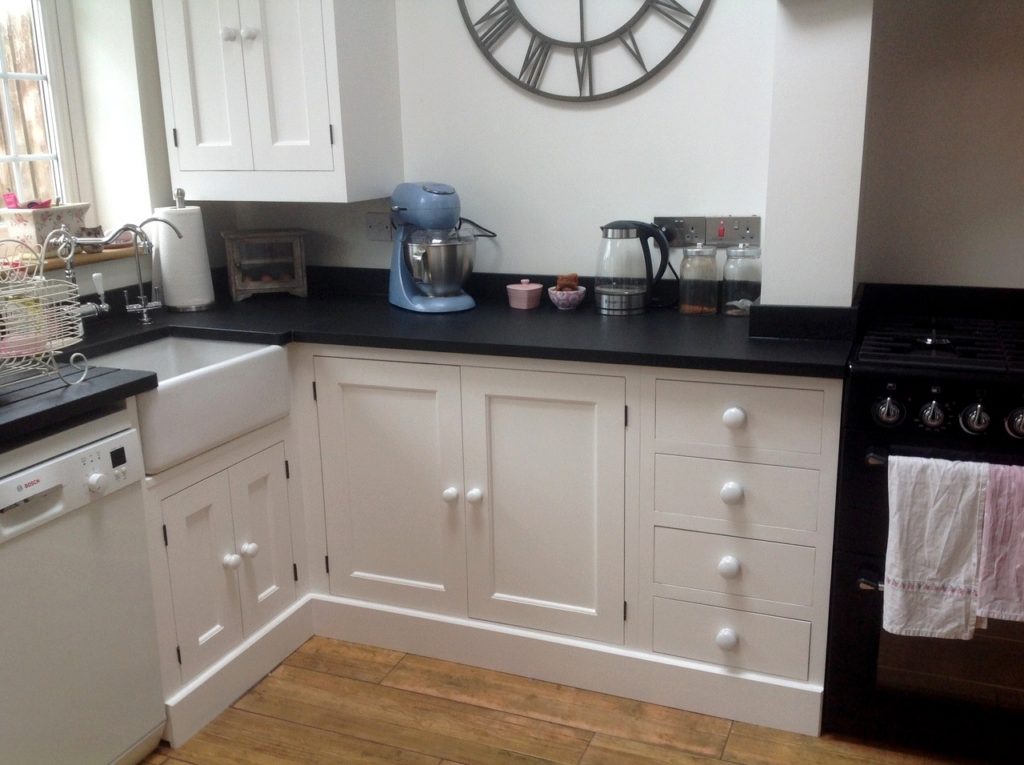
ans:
(968, 344)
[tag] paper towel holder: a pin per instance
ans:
(265, 260)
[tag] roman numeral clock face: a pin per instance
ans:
(581, 50)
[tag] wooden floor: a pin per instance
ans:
(335, 702)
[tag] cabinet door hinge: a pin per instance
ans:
(626, 422)
(295, 571)
(314, 390)
(327, 563)
(625, 608)
(287, 472)
(330, 132)
(174, 136)
(177, 650)
(165, 535)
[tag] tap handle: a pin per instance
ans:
(97, 279)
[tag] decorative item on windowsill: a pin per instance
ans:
(39, 317)
(30, 225)
(263, 261)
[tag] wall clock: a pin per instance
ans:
(581, 50)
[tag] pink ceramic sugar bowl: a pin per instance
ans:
(525, 294)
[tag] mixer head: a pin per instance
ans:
(425, 205)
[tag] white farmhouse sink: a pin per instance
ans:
(208, 392)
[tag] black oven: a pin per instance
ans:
(925, 387)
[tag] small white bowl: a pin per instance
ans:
(566, 300)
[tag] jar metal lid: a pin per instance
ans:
(744, 251)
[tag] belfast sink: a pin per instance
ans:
(208, 392)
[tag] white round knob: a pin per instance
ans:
(249, 549)
(248, 33)
(728, 567)
(450, 494)
(228, 34)
(734, 418)
(97, 482)
(232, 561)
(474, 495)
(731, 493)
(727, 639)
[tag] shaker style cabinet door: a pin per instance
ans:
(207, 77)
(390, 442)
(545, 490)
(248, 84)
(204, 585)
(259, 503)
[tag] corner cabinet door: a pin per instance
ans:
(546, 451)
(286, 80)
(390, 442)
(204, 586)
(259, 503)
(207, 78)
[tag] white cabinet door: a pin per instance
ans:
(204, 585)
(286, 81)
(259, 503)
(546, 451)
(207, 82)
(390, 436)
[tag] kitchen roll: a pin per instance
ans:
(184, 263)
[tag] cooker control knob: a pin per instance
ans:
(974, 419)
(888, 412)
(932, 415)
(1015, 423)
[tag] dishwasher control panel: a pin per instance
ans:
(46, 490)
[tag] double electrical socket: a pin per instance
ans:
(712, 230)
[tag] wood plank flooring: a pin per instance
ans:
(336, 702)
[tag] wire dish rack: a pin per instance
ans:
(39, 317)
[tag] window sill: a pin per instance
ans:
(89, 258)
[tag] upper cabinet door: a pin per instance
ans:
(545, 467)
(286, 80)
(207, 79)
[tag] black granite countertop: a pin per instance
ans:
(658, 338)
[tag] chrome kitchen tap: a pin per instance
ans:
(66, 243)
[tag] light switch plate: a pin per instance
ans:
(731, 230)
(378, 226)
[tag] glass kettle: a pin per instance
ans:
(625, 276)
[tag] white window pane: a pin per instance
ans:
(29, 117)
(16, 27)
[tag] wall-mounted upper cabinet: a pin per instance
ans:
(291, 100)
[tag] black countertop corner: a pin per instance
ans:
(659, 338)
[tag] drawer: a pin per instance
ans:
(741, 492)
(749, 568)
(740, 639)
(747, 416)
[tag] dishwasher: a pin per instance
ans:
(79, 670)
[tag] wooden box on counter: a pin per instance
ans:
(261, 261)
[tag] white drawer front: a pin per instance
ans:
(740, 639)
(749, 568)
(740, 492)
(747, 416)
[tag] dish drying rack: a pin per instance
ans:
(39, 317)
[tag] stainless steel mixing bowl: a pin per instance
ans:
(440, 262)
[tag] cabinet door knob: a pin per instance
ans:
(450, 494)
(734, 418)
(248, 33)
(728, 567)
(474, 496)
(232, 561)
(228, 34)
(249, 549)
(731, 493)
(727, 639)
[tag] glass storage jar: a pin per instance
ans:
(741, 280)
(698, 281)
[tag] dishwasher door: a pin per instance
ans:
(79, 671)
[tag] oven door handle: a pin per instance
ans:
(876, 459)
(870, 585)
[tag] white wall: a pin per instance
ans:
(943, 192)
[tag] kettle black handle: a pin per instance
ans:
(648, 231)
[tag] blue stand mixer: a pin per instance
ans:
(431, 257)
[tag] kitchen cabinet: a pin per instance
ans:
(738, 476)
(496, 494)
(295, 100)
(229, 556)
